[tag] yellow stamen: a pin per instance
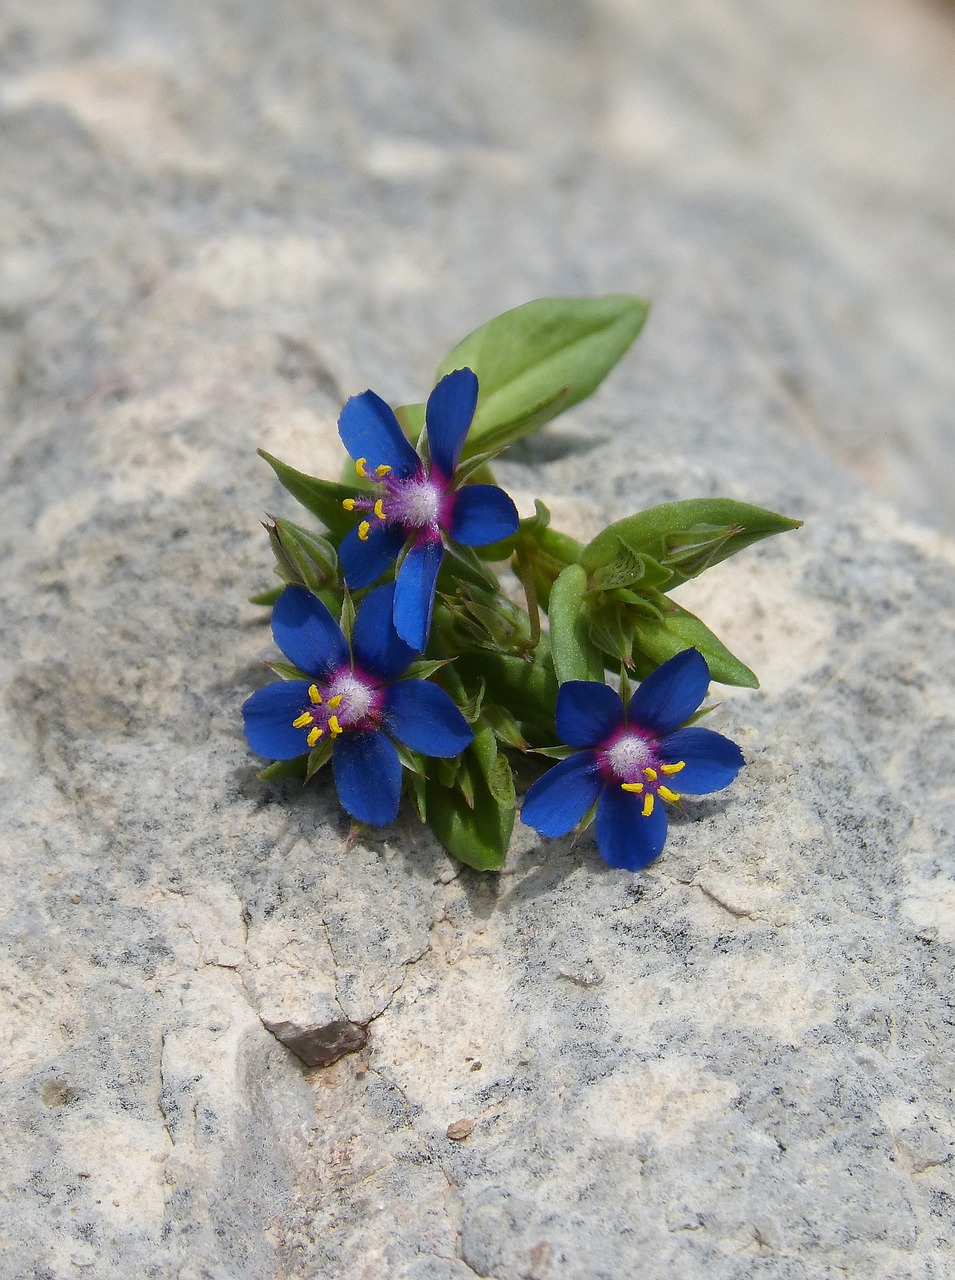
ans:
(314, 736)
(379, 509)
(363, 531)
(382, 470)
(335, 702)
(348, 504)
(648, 804)
(360, 468)
(635, 787)
(334, 727)
(673, 768)
(314, 695)
(667, 794)
(304, 719)
(651, 774)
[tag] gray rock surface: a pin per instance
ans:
(217, 221)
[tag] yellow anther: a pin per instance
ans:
(380, 509)
(673, 768)
(304, 719)
(651, 774)
(314, 695)
(363, 529)
(348, 504)
(648, 804)
(382, 470)
(314, 736)
(360, 468)
(335, 702)
(667, 794)
(635, 787)
(334, 727)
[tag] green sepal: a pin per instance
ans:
(574, 654)
(611, 630)
(418, 789)
(555, 753)
(685, 537)
(464, 564)
(628, 569)
(476, 836)
(322, 497)
(540, 359)
(287, 671)
(267, 598)
(296, 768)
(678, 630)
(318, 758)
(422, 668)
(347, 619)
(411, 760)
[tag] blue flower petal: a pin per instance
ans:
(625, 838)
(450, 409)
(268, 716)
(557, 801)
(364, 560)
(414, 592)
(367, 777)
(424, 718)
(370, 430)
(482, 513)
(587, 712)
(671, 694)
(378, 648)
(712, 761)
(307, 633)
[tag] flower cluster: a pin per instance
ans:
(412, 673)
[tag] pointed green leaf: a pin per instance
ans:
(574, 654)
(686, 537)
(285, 769)
(267, 598)
(539, 359)
(318, 758)
(678, 630)
(321, 497)
(287, 671)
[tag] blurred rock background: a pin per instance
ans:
(218, 221)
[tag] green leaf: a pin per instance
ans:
(411, 760)
(574, 654)
(287, 671)
(424, 667)
(417, 788)
(527, 688)
(318, 758)
(347, 619)
(678, 630)
(267, 598)
(494, 767)
(321, 497)
(477, 836)
(285, 769)
(539, 359)
(411, 417)
(686, 537)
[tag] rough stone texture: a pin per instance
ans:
(216, 221)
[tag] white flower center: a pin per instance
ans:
(356, 698)
(629, 755)
(419, 505)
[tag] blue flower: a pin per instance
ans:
(631, 759)
(417, 504)
(355, 698)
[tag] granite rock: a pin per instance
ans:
(217, 222)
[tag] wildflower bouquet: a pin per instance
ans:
(411, 671)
